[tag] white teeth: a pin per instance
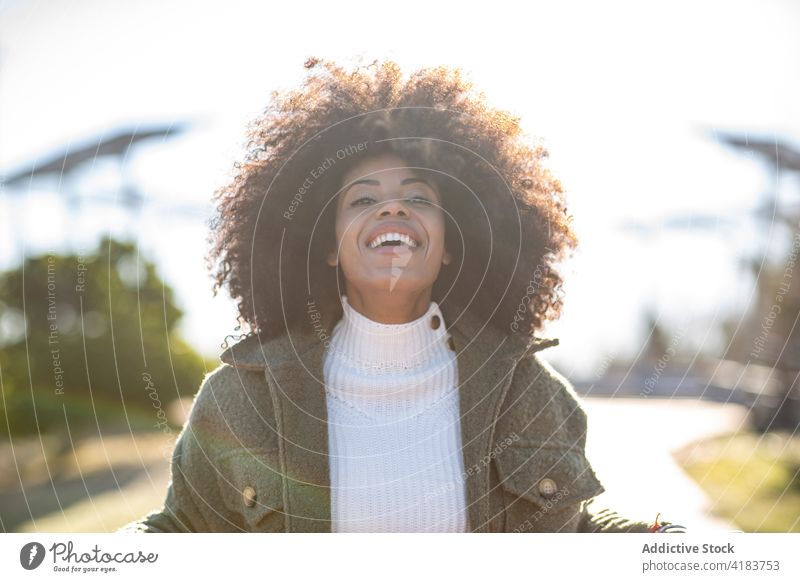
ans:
(392, 236)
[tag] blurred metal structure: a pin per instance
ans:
(781, 156)
(63, 170)
(67, 160)
(760, 368)
(771, 331)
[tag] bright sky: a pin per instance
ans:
(627, 95)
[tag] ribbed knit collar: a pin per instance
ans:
(383, 346)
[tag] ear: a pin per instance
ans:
(446, 257)
(332, 259)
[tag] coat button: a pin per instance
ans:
(249, 496)
(547, 488)
(451, 344)
(435, 322)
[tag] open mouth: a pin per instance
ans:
(392, 239)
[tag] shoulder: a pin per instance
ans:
(256, 353)
(231, 407)
(224, 388)
(541, 406)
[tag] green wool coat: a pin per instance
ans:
(253, 455)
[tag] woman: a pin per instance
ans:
(392, 245)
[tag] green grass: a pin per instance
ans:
(752, 479)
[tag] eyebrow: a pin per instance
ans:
(405, 182)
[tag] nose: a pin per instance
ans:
(392, 207)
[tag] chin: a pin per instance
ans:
(400, 286)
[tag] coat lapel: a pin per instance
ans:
(293, 367)
(301, 410)
(485, 359)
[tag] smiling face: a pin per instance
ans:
(389, 230)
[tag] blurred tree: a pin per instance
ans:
(657, 339)
(90, 339)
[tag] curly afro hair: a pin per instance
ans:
(506, 224)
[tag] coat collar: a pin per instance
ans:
(293, 365)
(253, 354)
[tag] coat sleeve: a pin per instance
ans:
(180, 512)
(193, 500)
(605, 520)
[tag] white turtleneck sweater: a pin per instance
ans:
(393, 425)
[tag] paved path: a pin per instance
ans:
(635, 464)
(93, 498)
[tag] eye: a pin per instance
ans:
(420, 199)
(359, 201)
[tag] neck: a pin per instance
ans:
(389, 307)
